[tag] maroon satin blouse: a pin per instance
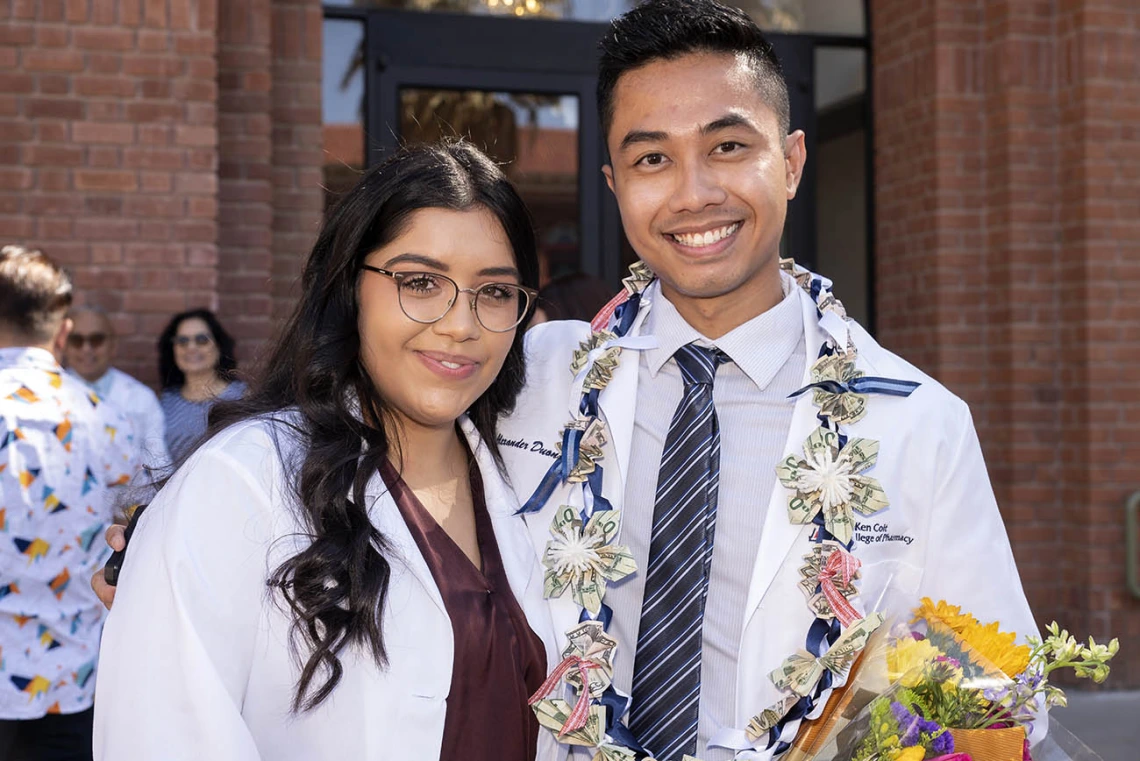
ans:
(499, 661)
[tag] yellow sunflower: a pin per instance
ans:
(906, 659)
(951, 615)
(996, 647)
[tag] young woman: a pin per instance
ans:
(337, 572)
(196, 363)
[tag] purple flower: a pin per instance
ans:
(929, 727)
(943, 744)
(901, 714)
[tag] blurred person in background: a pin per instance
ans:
(196, 364)
(577, 296)
(87, 355)
(63, 452)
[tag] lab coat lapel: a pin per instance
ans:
(520, 560)
(517, 552)
(404, 554)
(618, 405)
(780, 536)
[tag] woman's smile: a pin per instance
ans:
(449, 366)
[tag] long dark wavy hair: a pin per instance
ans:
(336, 587)
(169, 374)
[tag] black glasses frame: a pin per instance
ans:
(399, 277)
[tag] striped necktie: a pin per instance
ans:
(667, 665)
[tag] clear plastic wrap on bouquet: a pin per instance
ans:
(951, 689)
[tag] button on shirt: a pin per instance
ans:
(755, 415)
(62, 452)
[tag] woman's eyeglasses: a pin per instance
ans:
(199, 339)
(426, 297)
(94, 340)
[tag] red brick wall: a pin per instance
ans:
(109, 151)
(298, 200)
(168, 152)
(1008, 264)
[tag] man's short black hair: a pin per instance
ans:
(668, 29)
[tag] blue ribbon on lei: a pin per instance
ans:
(866, 384)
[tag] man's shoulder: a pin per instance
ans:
(933, 401)
(551, 344)
(549, 348)
(131, 386)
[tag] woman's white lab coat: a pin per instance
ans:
(196, 660)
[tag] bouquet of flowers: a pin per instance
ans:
(957, 690)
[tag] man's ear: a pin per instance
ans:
(795, 156)
(608, 171)
(60, 341)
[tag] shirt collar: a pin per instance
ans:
(29, 356)
(759, 347)
(102, 386)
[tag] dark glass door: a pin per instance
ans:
(523, 91)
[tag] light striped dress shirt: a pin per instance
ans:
(755, 414)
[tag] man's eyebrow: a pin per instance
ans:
(411, 258)
(728, 121)
(641, 136)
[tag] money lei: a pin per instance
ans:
(827, 485)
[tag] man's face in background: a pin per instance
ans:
(90, 345)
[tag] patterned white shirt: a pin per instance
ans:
(63, 452)
(135, 399)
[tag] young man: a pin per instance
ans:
(703, 164)
(88, 354)
(683, 429)
(62, 452)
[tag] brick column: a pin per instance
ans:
(245, 174)
(298, 199)
(1098, 71)
(109, 151)
(1008, 230)
(1021, 427)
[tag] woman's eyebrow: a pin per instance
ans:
(499, 272)
(410, 258)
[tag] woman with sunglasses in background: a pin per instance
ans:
(196, 362)
(338, 572)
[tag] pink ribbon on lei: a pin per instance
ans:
(843, 565)
(577, 718)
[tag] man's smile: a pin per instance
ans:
(706, 237)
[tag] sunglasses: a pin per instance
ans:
(200, 339)
(94, 340)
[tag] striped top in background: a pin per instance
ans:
(186, 420)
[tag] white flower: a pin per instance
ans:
(830, 479)
(572, 555)
(829, 475)
(583, 559)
